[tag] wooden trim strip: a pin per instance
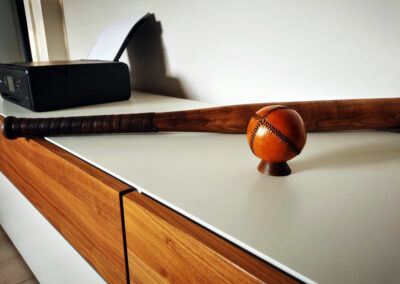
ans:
(164, 246)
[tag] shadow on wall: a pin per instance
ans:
(148, 64)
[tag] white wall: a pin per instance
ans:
(262, 50)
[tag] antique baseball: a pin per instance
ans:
(276, 134)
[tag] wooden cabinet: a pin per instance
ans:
(323, 223)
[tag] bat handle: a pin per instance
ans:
(13, 128)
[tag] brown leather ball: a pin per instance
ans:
(276, 134)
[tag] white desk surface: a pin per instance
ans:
(336, 219)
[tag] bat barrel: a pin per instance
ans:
(13, 128)
(330, 115)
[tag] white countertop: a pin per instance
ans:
(335, 219)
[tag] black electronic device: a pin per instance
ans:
(43, 86)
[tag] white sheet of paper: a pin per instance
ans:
(113, 36)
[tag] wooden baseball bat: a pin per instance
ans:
(317, 115)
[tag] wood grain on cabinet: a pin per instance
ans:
(164, 246)
(82, 202)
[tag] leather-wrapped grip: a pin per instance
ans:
(13, 128)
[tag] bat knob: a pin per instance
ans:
(7, 127)
(276, 134)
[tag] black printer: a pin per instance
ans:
(44, 86)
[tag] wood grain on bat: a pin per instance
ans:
(317, 115)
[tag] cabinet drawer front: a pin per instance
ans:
(163, 246)
(80, 201)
